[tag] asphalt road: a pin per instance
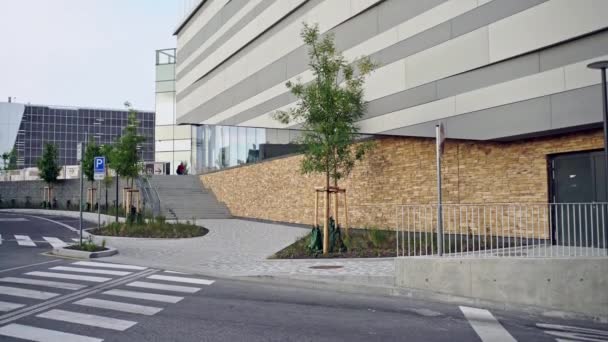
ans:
(49, 299)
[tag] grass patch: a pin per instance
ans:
(359, 243)
(155, 229)
(89, 246)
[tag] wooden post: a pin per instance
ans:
(345, 212)
(336, 206)
(326, 224)
(316, 208)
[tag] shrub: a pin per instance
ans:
(377, 237)
(160, 219)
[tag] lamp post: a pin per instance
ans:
(602, 66)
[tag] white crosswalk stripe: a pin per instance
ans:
(182, 279)
(24, 240)
(175, 272)
(119, 306)
(87, 319)
(42, 335)
(486, 326)
(0, 239)
(107, 265)
(68, 276)
(7, 306)
(17, 292)
(47, 283)
(55, 242)
(88, 270)
(165, 287)
(144, 295)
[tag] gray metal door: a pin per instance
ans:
(577, 181)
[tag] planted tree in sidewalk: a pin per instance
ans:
(48, 167)
(124, 157)
(9, 160)
(328, 108)
(5, 160)
(91, 151)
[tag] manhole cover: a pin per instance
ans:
(326, 267)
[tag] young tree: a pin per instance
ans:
(48, 166)
(12, 160)
(124, 158)
(5, 157)
(328, 108)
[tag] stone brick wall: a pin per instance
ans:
(64, 190)
(400, 171)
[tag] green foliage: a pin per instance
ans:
(5, 157)
(91, 151)
(329, 108)
(377, 237)
(9, 160)
(124, 157)
(160, 219)
(48, 165)
(152, 230)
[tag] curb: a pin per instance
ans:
(415, 294)
(72, 253)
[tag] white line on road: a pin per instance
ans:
(486, 326)
(17, 292)
(68, 276)
(144, 295)
(55, 242)
(47, 283)
(0, 239)
(175, 272)
(37, 264)
(182, 279)
(156, 286)
(87, 319)
(572, 333)
(6, 306)
(119, 306)
(107, 265)
(27, 332)
(24, 240)
(88, 270)
(18, 219)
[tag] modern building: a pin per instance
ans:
(508, 79)
(27, 128)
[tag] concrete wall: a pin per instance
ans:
(566, 284)
(64, 190)
(400, 171)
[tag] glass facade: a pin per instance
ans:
(218, 147)
(66, 127)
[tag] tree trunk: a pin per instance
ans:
(326, 217)
(336, 194)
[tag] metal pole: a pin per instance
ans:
(98, 206)
(605, 106)
(439, 216)
(116, 202)
(82, 148)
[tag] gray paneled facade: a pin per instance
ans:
(574, 106)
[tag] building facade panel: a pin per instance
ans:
(463, 49)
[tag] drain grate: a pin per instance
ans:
(326, 267)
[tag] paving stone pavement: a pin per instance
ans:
(240, 248)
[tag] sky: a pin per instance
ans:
(87, 53)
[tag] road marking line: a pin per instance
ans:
(55, 242)
(30, 310)
(47, 283)
(27, 332)
(88, 319)
(486, 326)
(37, 264)
(68, 276)
(18, 219)
(572, 333)
(175, 272)
(87, 270)
(182, 279)
(156, 286)
(6, 306)
(24, 240)
(0, 239)
(17, 292)
(119, 306)
(144, 295)
(107, 265)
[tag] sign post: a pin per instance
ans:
(79, 152)
(99, 172)
(440, 138)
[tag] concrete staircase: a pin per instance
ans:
(184, 198)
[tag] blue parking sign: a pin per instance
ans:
(99, 167)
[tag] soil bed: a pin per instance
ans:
(152, 230)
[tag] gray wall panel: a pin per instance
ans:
(577, 107)
(260, 109)
(489, 13)
(492, 74)
(392, 13)
(585, 48)
(410, 98)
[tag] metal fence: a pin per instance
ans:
(503, 230)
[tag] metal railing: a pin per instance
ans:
(503, 230)
(150, 195)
